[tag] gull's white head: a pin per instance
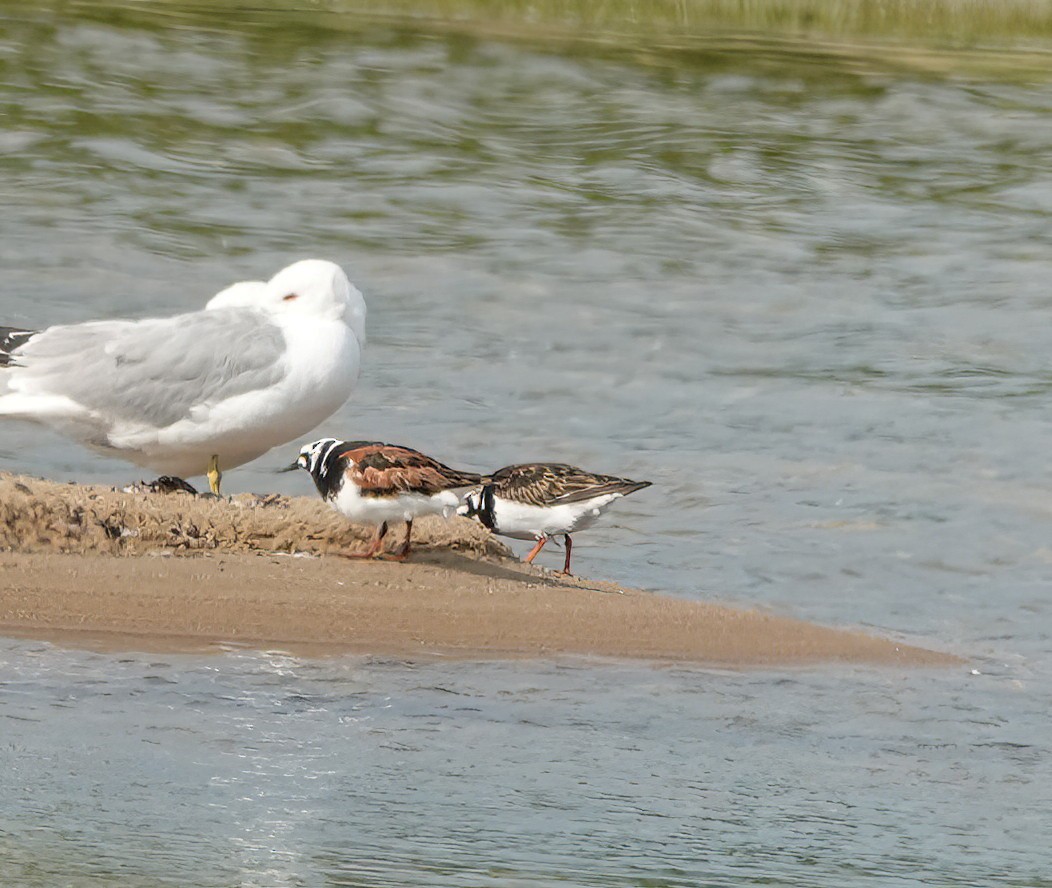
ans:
(243, 294)
(317, 287)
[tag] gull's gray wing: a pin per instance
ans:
(154, 371)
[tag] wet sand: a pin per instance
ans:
(98, 567)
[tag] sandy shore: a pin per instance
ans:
(89, 565)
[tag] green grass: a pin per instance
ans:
(943, 21)
(972, 22)
(971, 38)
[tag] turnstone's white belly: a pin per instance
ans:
(365, 509)
(523, 521)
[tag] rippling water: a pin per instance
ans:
(806, 298)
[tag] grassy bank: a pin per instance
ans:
(991, 23)
(999, 39)
(971, 22)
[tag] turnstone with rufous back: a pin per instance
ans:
(375, 483)
(537, 501)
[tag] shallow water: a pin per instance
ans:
(258, 769)
(805, 298)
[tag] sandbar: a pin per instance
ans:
(95, 566)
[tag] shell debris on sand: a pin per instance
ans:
(43, 516)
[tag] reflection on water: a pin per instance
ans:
(805, 298)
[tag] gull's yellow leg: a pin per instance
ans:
(214, 475)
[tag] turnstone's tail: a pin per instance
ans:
(10, 339)
(622, 486)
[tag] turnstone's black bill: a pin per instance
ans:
(258, 366)
(536, 501)
(374, 483)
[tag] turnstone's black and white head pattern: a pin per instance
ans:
(375, 483)
(257, 367)
(536, 501)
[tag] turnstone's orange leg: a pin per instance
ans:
(569, 548)
(375, 547)
(533, 552)
(403, 553)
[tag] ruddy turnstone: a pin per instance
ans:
(375, 483)
(537, 501)
(184, 395)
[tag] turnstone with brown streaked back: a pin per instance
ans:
(375, 483)
(536, 501)
(260, 365)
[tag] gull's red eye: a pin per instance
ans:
(290, 297)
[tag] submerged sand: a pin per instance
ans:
(92, 565)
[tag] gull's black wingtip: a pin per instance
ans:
(10, 339)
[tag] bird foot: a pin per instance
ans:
(357, 556)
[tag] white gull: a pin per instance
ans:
(261, 365)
